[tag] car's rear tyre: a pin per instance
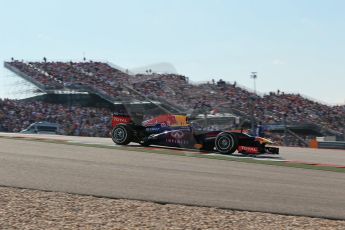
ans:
(226, 143)
(122, 134)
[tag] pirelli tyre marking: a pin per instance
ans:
(122, 134)
(119, 134)
(226, 143)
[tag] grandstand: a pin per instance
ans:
(99, 85)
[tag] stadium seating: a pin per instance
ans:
(16, 115)
(176, 90)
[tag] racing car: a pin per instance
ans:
(175, 131)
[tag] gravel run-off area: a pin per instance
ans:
(32, 209)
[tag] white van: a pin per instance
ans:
(42, 127)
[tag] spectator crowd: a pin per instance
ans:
(16, 115)
(268, 109)
(111, 83)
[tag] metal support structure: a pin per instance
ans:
(252, 114)
(285, 130)
(344, 125)
(254, 76)
(252, 103)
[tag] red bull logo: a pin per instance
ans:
(167, 120)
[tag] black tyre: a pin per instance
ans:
(122, 134)
(226, 143)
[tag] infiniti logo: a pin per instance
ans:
(177, 134)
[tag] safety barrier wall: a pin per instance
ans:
(331, 145)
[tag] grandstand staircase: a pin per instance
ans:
(304, 142)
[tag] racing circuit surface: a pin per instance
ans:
(118, 173)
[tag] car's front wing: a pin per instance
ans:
(257, 150)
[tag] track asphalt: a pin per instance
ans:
(167, 178)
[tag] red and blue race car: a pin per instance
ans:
(175, 131)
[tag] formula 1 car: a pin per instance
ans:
(175, 131)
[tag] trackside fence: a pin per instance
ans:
(331, 145)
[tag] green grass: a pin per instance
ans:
(190, 153)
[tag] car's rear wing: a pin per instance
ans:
(120, 118)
